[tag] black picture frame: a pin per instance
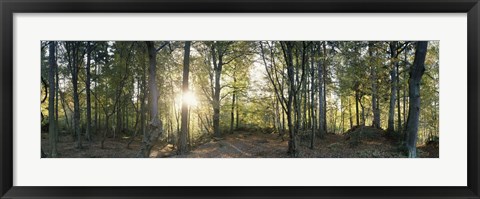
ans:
(9, 7)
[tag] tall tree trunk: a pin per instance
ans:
(142, 103)
(399, 112)
(57, 128)
(324, 79)
(416, 73)
(305, 66)
(74, 54)
(393, 86)
(296, 101)
(405, 89)
(155, 127)
(182, 142)
(292, 144)
(96, 101)
(342, 109)
(217, 56)
(87, 88)
(76, 114)
(373, 73)
(312, 96)
(321, 110)
(51, 100)
(232, 111)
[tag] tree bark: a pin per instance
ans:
(217, 56)
(321, 110)
(142, 103)
(393, 86)
(324, 79)
(182, 142)
(51, 100)
(232, 111)
(96, 101)
(56, 96)
(87, 88)
(73, 51)
(416, 73)
(373, 72)
(356, 106)
(350, 112)
(287, 50)
(399, 112)
(312, 96)
(405, 89)
(155, 126)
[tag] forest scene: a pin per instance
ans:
(239, 99)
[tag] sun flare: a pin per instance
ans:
(189, 98)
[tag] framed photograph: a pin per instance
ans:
(239, 99)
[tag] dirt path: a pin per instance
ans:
(241, 145)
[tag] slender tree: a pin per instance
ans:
(312, 95)
(87, 84)
(321, 103)
(182, 143)
(373, 73)
(416, 72)
(51, 99)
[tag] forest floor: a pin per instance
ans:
(361, 142)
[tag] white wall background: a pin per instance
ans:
(448, 170)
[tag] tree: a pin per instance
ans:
(51, 103)
(321, 94)
(155, 127)
(312, 93)
(182, 143)
(416, 72)
(373, 72)
(87, 83)
(218, 51)
(287, 48)
(234, 98)
(75, 55)
(395, 49)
